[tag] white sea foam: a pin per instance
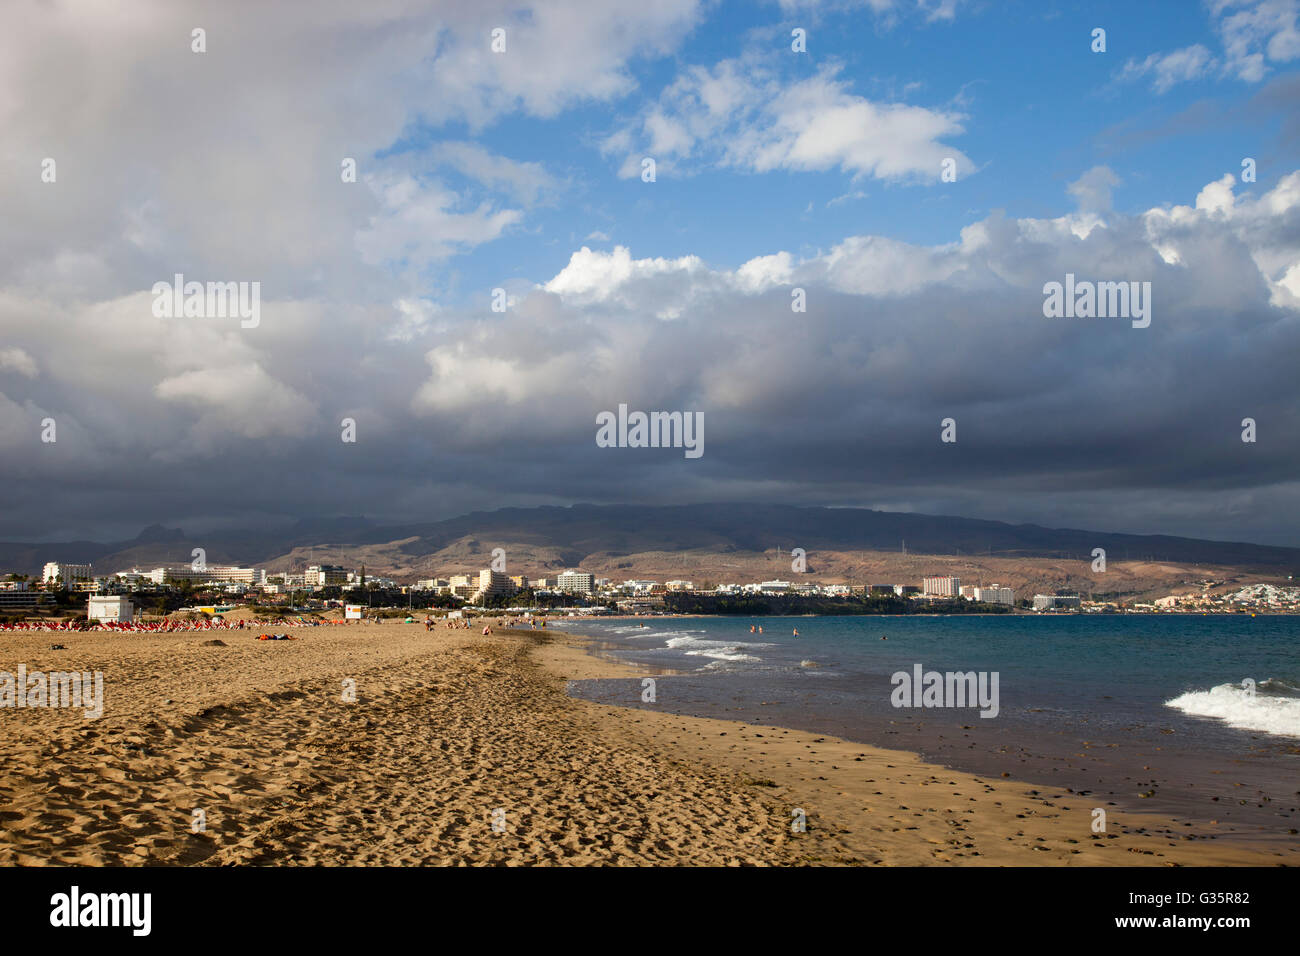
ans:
(633, 631)
(720, 650)
(1268, 713)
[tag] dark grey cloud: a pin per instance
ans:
(1081, 422)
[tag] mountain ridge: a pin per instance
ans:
(571, 535)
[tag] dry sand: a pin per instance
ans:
(450, 726)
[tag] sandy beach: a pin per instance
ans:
(461, 749)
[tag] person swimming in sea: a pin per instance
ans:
(883, 638)
(796, 632)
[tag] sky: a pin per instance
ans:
(502, 268)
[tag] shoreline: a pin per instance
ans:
(785, 754)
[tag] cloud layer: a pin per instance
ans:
(226, 166)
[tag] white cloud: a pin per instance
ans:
(1256, 33)
(1217, 196)
(1092, 190)
(763, 272)
(526, 181)
(1169, 69)
(1257, 223)
(240, 401)
(846, 197)
(593, 276)
(939, 9)
(418, 220)
(16, 360)
(739, 115)
(886, 10)
(556, 54)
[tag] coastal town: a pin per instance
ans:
(124, 595)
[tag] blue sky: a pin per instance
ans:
(1038, 108)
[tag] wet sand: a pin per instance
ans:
(893, 807)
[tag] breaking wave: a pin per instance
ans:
(1273, 708)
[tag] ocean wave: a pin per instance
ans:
(720, 650)
(728, 666)
(1274, 708)
(727, 656)
(686, 641)
(1276, 687)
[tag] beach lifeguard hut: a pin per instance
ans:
(109, 609)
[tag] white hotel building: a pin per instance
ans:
(576, 582)
(68, 573)
(211, 574)
(993, 594)
(941, 586)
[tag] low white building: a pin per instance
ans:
(109, 609)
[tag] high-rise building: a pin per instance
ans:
(941, 586)
(576, 582)
(993, 594)
(491, 583)
(323, 575)
(67, 573)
